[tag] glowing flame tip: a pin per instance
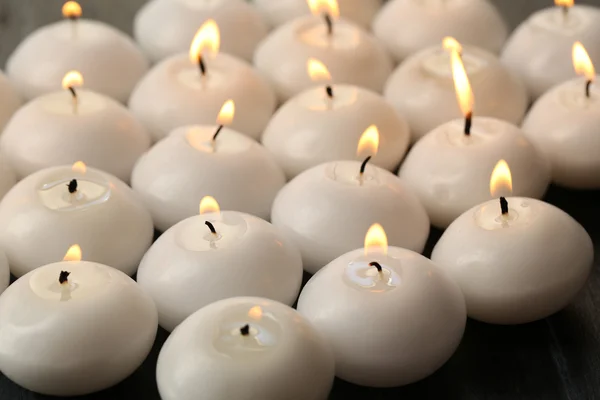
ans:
(464, 93)
(368, 144)
(79, 167)
(206, 42)
(321, 7)
(376, 240)
(72, 79)
(226, 114)
(71, 9)
(582, 63)
(73, 254)
(208, 204)
(501, 180)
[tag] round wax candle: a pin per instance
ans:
(519, 267)
(8, 99)
(77, 337)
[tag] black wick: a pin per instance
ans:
(376, 265)
(329, 91)
(364, 165)
(468, 123)
(217, 132)
(72, 186)
(63, 277)
(245, 330)
(211, 227)
(201, 65)
(329, 23)
(504, 205)
(588, 85)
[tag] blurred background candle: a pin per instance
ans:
(165, 27)
(326, 122)
(408, 26)
(9, 100)
(352, 55)
(110, 60)
(538, 50)
(190, 89)
(4, 272)
(8, 178)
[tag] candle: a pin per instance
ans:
(197, 161)
(448, 167)
(55, 207)
(4, 272)
(391, 315)
(563, 124)
(216, 255)
(245, 348)
(408, 26)
(62, 127)
(9, 99)
(185, 91)
(324, 124)
(74, 327)
(277, 13)
(165, 27)
(516, 262)
(537, 50)
(326, 209)
(421, 88)
(353, 55)
(8, 178)
(109, 59)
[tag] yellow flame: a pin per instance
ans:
(501, 180)
(207, 41)
(376, 240)
(226, 114)
(464, 93)
(72, 79)
(368, 144)
(320, 7)
(73, 254)
(208, 204)
(79, 167)
(317, 71)
(255, 312)
(451, 44)
(582, 62)
(564, 3)
(71, 9)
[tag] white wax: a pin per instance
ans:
(4, 272)
(387, 328)
(450, 171)
(326, 211)
(563, 125)
(351, 54)
(40, 220)
(539, 50)
(166, 27)
(109, 60)
(311, 129)
(422, 89)
(9, 101)
(282, 357)
(407, 26)
(519, 268)
(184, 167)
(188, 267)
(8, 178)
(47, 132)
(174, 94)
(77, 338)
(278, 12)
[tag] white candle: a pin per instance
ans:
(165, 27)
(391, 315)
(563, 125)
(538, 49)
(110, 61)
(245, 348)
(421, 88)
(179, 92)
(8, 178)
(197, 161)
(325, 123)
(4, 272)
(518, 264)
(353, 55)
(408, 26)
(9, 99)
(214, 256)
(76, 337)
(63, 127)
(49, 210)
(449, 167)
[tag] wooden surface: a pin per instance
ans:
(558, 358)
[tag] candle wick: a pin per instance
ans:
(72, 186)
(565, 11)
(588, 86)
(217, 133)
(376, 265)
(211, 227)
(504, 205)
(245, 330)
(63, 278)
(364, 165)
(329, 91)
(468, 123)
(329, 23)
(75, 100)
(202, 65)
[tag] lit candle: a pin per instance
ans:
(324, 124)
(353, 55)
(421, 88)
(47, 211)
(9, 99)
(245, 348)
(563, 124)
(164, 27)
(326, 209)
(537, 50)
(517, 261)
(110, 61)
(62, 127)
(4, 272)
(186, 90)
(408, 26)
(447, 167)
(216, 255)
(391, 315)
(86, 327)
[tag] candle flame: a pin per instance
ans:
(72, 79)
(255, 312)
(501, 180)
(208, 204)
(582, 62)
(73, 254)
(79, 167)
(320, 7)
(207, 41)
(464, 93)
(226, 114)
(450, 44)
(376, 240)
(317, 71)
(564, 3)
(71, 9)
(368, 144)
